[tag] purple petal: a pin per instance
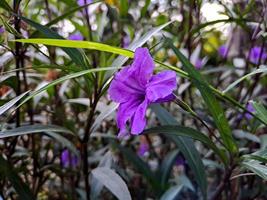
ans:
(124, 86)
(143, 148)
(125, 113)
(65, 158)
(161, 86)
(251, 109)
(74, 161)
(142, 66)
(255, 55)
(126, 41)
(2, 29)
(139, 118)
(168, 98)
(76, 36)
(199, 64)
(223, 51)
(84, 2)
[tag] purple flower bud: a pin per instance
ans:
(223, 51)
(251, 109)
(199, 64)
(255, 55)
(143, 148)
(76, 36)
(2, 29)
(84, 2)
(68, 160)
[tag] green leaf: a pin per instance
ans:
(21, 188)
(256, 167)
(38, 128)
(118, 62)
(113, 182)
(186, 132)
(141, 166)
(172, 193)
(144, 9)
(261, 111)
(186, 146)
(62, 79)
(64, 141)
(5, 5)
(79, 44)
(124, 6)
(166, 166)
(11, 103)
(232, 85)
(212, 103)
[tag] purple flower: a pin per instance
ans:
(223, 51)
(84, 2)
(255, 55)
(251, 109)
(67, 159)
(143, 147)
(76, 36)
(199, 64)
(2, 29)
(135, 88)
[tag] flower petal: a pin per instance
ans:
(139, 118)
(161, 86)
(168, 98)
(124, 86)
(142, 66)
(126, 112)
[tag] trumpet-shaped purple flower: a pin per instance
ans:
(76, 36)
(223, 51)
(84, 2)
(135, 88)
(68, 160)
(255, 55)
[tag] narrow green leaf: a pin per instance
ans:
(37, 128)
(186, 132)
(5, 5)
(212, 103)
(11, 103)
(62, 79)
(232, 85)
(119, 61)
(166, 166)
(113, 182)
(79, 44)
(141, 166)
(172, 193)
(256, 167)
(124, 6)
(144, 9)
(186, 146)
(261, 111)
(62, 140)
